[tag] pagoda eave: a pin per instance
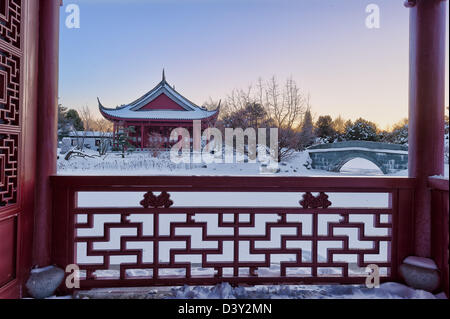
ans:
(150, 122)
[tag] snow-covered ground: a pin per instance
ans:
(141, 163)
(225, 291)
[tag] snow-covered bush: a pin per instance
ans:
(361, 130)
(308, 162)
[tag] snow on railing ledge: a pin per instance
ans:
(438, 182)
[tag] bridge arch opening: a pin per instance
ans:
(360, 165)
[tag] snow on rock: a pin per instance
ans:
(421, 262)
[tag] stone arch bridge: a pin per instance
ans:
(390, 158)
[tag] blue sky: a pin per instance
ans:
(209, 47)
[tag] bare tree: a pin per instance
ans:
(104, 128)
(281, 106)
(87, 119)
(288, 141)
(91, 124)
(237, 100)
(285, 106)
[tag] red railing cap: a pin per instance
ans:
(235, 183)
(438, 183)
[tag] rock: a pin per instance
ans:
(419, 277)
(43, 282)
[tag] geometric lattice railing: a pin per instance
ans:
(160, 243)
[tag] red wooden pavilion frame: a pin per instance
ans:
(35, 219)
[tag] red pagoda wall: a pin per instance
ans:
(162, 102)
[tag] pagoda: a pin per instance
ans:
(150, 119)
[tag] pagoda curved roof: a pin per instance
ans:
(188, 111)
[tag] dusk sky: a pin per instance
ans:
(210, 47)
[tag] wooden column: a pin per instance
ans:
(426, 109)
(47, 117)
(114, 135)
(142, 136)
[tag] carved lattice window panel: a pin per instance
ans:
(10, 22)
(182, 246)
(11, 53)
(8, 168)
(9, 88)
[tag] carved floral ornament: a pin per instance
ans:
(311, 201)
(162, 200)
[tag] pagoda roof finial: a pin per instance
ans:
(164, 75)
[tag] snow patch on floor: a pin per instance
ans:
(225, 291)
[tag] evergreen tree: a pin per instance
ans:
(123, 141)
(307, 136)
(361, 130)
(61, 114)
(398, 135)
(324, 129)
(74, 119)
(68, 121)
(63, 127)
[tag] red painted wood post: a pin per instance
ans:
(47, 117)
(426, 109)
(403, 230)
(440, 239)
(114, 135)
(142, 137)
(63, 228)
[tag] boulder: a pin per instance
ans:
(43, 282)
(420, 273)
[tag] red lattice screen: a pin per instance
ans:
(10, 68)
(9, 88)
(8, 168)
(10, 22)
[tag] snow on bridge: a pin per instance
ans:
(390, 158)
